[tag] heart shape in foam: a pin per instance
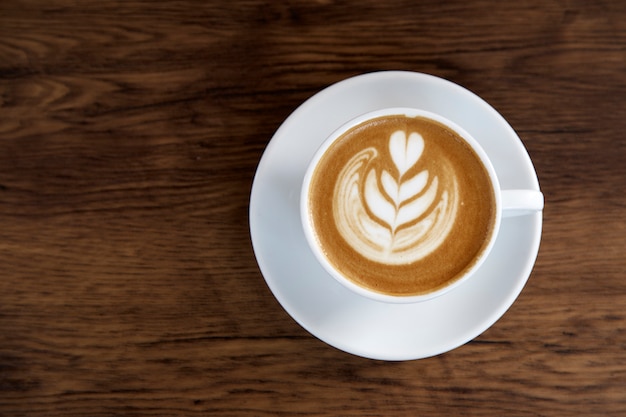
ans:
(405, 152)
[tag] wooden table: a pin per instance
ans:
(130, 132)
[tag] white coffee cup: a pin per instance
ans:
(507, 203)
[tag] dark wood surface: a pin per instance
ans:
(130, 132)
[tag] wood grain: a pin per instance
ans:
(129, 136)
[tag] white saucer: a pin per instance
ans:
(331, 312)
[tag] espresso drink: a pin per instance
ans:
(401, 205)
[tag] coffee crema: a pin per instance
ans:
(401, 205)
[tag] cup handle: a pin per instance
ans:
(521, 202)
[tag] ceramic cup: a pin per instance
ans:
(507, 203)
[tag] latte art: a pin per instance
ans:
(400, 205)
(390, 216)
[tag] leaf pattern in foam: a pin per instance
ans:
(406, 190)
(376, 202)
(418, 207)
(388, 218)
(404, 151)
(390, 185)
(412, 187)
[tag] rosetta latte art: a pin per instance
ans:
(391, 216)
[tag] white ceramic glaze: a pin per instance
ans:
(330, 311)
(521, 201)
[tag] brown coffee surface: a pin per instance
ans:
(401, 205)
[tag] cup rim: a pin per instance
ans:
(308, 227)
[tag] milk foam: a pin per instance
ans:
(388, 215)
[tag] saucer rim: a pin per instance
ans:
(504, 304)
